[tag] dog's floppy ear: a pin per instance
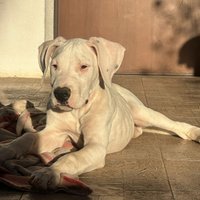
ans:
(109, 56)
(46, 50)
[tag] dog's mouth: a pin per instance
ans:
(63, 106)
(66, 107)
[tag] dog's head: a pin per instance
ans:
(74, 68)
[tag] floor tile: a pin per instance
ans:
(177, 149)
(152, 166)
(148, 195)
(183, 175)
(11, 196)
(60, 196)
(187, 195)
(145, 175)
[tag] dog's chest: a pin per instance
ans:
(64, 122)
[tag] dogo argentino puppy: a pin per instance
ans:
(98, 115)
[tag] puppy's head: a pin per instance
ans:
(74, 68)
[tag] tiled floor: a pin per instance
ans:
(152, 166)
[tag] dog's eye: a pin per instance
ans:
(83, 66)
(55, 66)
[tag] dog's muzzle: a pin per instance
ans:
(62, 94)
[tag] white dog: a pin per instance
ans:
(99, 116)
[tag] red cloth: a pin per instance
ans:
(26, 165)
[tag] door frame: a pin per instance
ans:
(55, 21)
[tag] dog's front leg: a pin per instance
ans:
(90, 157)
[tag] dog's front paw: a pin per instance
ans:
(6, 153)
(45, 179)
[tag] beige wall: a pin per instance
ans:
(24, 25)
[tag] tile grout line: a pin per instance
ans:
(191, 108)
(194, 117)
(21, 196)
(158, 143)
(144, 92)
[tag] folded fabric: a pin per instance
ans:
(15, 120)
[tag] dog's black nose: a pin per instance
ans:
(62, 94)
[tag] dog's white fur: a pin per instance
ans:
(100, 117)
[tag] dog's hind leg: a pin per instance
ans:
(146, 117)
(138, 131)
